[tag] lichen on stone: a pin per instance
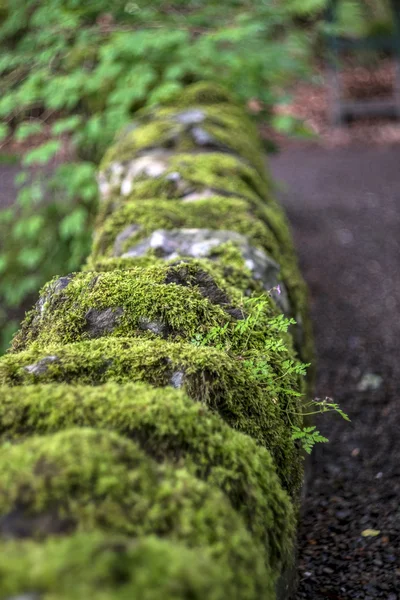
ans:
(224, 213)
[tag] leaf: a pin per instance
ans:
(30, 257)
(42, 154)
(26, 129)
(4, 130)
(66, 125)
(370, 532)
(283, 123)
(73, 223)
(28, 228)
(21, 178)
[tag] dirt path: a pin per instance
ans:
(7, 187)
(344, 205)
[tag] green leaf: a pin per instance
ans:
(3, 262)
(66, 125)
(14, 295)
(42, 154)
(74, 223)
(284, 123)
(4, 131)
(370, 532)
(7, 215)
(26, 129)
(21, 178)
(30, 257)
(28, 228)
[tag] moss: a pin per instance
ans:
(169, 301)
(226, 265)
(203, 93)
(85, 479)
(220, 172)
(227, 127)
(169, 426)
(108, 567)
(222, 213)
(227, 384)
(154, 132)
(140, 137)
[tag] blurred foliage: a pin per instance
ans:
(355, 18)
(73, 73)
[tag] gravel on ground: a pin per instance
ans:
(344, 206)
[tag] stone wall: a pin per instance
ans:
(147, 402)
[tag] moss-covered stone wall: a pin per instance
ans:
(147, 402)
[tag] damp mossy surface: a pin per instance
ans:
(147, 404)
(222, 127)
(87, 479)
(174, 302)
(227, 213)
(171, 427)
(188, 172)
(110, 567)
(226, 266)
(228, 385)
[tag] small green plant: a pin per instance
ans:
(253, 341)
(308, 437)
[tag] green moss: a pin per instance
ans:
(103, 567)
(225, 383)
(154, 134)
(151, 130)
(229, 129)
(169, 426)
(226, 266)
(152, 491)
(219, 212)
(203, 93)
(174, 302)
(216, 170)
(85, 479)
(223, 213)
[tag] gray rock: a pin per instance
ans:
(174, 176)
(200, 243)
(177, 379)
(200, 195)
(203, 138)
(297, 332)
(157, 327)
(153, 164)
(120, 177)
(100, 322)
(192, 116)
(59, 284)
(369, 382)
(123, 236)
(41, 366)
